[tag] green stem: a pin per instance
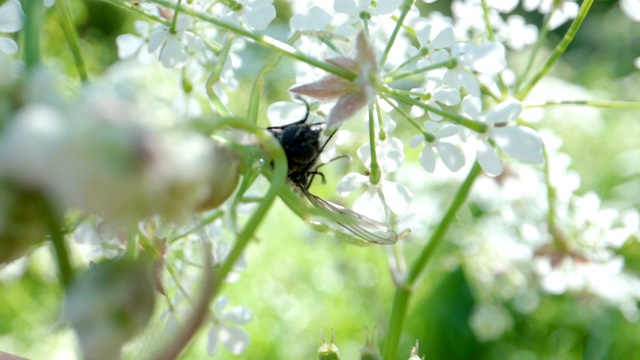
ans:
(54, 223)
(174, 20)
(223, 55)
(605, 104)
(559, 50)
(429, 137)
(263, 40)
(403, 292)
(375, 175)
(544, 31)
(130, 7)
(64, 16)
(448, 63)
(406, 7)
(476, 126)
(551, 195)
(32, 26)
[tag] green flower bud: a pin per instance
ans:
(328, 351)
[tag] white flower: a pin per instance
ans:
(173, 47)
(11, 20)
(225, 328)
(389, 153)
(438, 94)
(374, 201)
(130, 45)
(450, 154)
(315, 20)
(517, 34)
(631, 8)
(560, 10)
(521, 142)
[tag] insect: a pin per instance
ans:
(301, 143)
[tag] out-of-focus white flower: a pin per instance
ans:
(11, 20)
(631, 8)
(450, 154)
(517, 34)
(226, 328)
(130, 45)
(490, 322)
(561, 10)
(376, 198)
(316, 19)
(258, 14)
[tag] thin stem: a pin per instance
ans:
(406, 7)
(544, 31)
(559, 50)
(130, 7)
(419, 55)
(64, 15)
(476, 126)
(32, 26)
(406, 116)
(215, 77)
(605, 104)
(174, 20)
(263, 40)
(551, 195)
(375, 175)
(403, 292)
(448, 63)
(54, 222)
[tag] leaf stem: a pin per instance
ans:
(406, 7)
(54, 223)
(32, 27)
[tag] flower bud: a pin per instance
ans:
(328, 351)
(224, 176)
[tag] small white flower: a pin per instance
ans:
(374, 201)
(450, 154)
(521, 142)
(11, 20)
(561, 10)
(130, 45)
(225, 328)
(315, 20)
(173, 47)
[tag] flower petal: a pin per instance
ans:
(238, 315)
(328, 88)
(234, 339)
(521, 142)
(488, 159)
(8, 46)
(451, 155)
(347, 106)
(11, 16)
(396, 196)
(213, 340)
(350, 183)
(428, 158)
(370, 205)
(505, 112)
(260, 17)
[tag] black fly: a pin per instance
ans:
(301, 144)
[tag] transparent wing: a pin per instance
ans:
(362, 227)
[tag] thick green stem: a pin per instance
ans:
(375, 175)
(559, 50)
(64, 15)
(403, 292)
(32, 26)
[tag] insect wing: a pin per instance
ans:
(364, 228)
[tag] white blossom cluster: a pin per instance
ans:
(441, 85)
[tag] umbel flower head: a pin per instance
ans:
(351, 95)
